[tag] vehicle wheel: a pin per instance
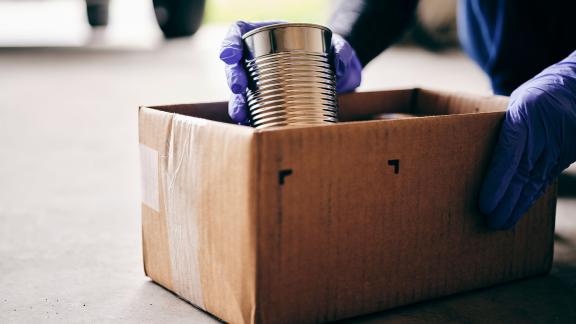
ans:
(179, 18)
(97, 11)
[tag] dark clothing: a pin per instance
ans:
(511, 40)
(371, 26)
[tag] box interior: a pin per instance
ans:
(377, 105)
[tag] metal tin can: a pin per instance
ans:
(291, 81)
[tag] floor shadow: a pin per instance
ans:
(545, 299)
(209, 315)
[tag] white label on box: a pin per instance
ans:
(149, 171)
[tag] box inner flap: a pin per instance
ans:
(217, 111)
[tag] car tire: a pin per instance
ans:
(179, 18)
(97, 12)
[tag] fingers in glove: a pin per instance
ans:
(534, 188)
(347, 67)
(350, 81)
(238, 108)
(232, 49)
(236, 77)
(505, 162)
(527, 115)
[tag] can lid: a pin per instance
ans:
(284, 25)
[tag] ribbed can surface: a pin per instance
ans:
(291, 81)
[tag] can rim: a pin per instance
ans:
(282, 25)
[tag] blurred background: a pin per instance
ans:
(132, 22)
(135, 22)
(72, 75)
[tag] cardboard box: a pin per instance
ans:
(312, 224)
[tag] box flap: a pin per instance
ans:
(356, 106)
(432, 102)
(216, 111)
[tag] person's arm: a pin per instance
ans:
(371, 26)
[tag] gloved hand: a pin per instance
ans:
(537, 142)
(346, 64)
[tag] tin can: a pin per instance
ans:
(291, 81)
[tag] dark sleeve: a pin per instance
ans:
(370, 26)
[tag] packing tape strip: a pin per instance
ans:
(149, 177)
(181, 201)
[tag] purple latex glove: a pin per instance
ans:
(346, 64)
(537, 142)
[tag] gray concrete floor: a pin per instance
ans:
(70, 246)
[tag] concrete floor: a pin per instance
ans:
(70, 246)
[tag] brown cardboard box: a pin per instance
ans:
(312, 224)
